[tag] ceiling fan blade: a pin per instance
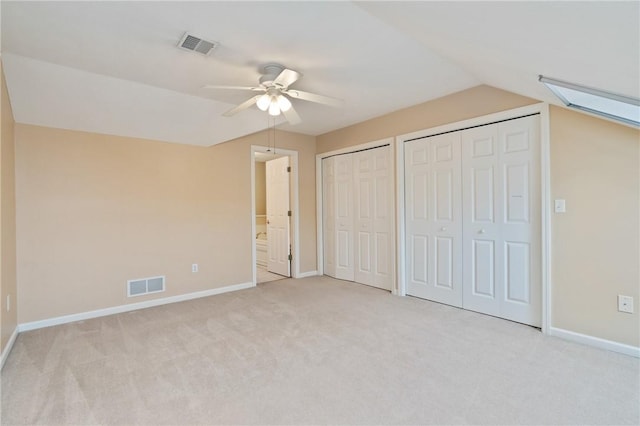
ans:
(246, 104)
(286, 78)
(312, 97)
(255, 89)
(292, 116)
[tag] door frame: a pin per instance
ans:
(319, 203)
(545, 193)
(295, 216)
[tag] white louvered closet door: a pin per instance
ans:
(434, 218)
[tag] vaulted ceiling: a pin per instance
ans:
(113, 67)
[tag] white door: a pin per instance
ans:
(434, 218)
(373, 217)
(278, 235)
(344, 217)
(329, 215)
(501, 221)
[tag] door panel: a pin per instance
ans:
(344, 217)
(501, 166)
(434, 218)
(329, 216)
(373, 217)
(521, 230)
(278, 231)
(472, 206)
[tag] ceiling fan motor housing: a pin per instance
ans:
(269, 73)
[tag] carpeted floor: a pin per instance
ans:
(312, 351)
(264, 276)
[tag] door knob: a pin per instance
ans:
(481, 231)
(443, 229)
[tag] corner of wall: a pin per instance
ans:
(8, 285)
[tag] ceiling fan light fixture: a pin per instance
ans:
(274, 109)
(263, 102)
(284, 103)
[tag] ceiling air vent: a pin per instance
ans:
(196, 44)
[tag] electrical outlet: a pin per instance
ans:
(625, 303)
(194, 267)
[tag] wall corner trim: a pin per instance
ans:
(34, 325)
(596, 342)
(7, 349)
(307, 274)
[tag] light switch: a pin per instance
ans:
(560, 206)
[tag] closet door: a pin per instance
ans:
(501, 239)
(434, 219)
(344, 217)
(329, 215)
(373, 217)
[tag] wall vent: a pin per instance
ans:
(196, 44)
(145, 286)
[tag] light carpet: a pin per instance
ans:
(312, 351)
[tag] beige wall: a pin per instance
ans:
(8, 318)
(470, 103)
(261, 188)
(96, 210)
(595, 167)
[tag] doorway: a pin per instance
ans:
(274, 209)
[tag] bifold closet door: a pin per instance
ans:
(373, 217)
(344, 217)
(357, 191)
(501, 220)
(434, 219)
(329, 215)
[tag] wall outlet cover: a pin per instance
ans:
(625, 304)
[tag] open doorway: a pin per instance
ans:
(274, 210)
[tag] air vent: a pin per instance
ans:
(196, 44)
(145, 286)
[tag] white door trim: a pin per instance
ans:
(545, 193)
(319, 204)
(295, 225)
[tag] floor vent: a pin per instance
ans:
(196, 44)
(145, 286)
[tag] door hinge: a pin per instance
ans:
(290, 257)
(289, 213)
(288, 169)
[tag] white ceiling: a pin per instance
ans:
(113, 67)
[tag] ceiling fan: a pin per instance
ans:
(274, 84)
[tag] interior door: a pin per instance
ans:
(434, 218)
(373, 218)
(329, 215)
(501, 239)
(519, 144)
(344, 217)
(278, 224)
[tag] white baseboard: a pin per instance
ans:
(130, 307)
(307, 274)
(7, 349)
(595, 341)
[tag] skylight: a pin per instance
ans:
(610, 105)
